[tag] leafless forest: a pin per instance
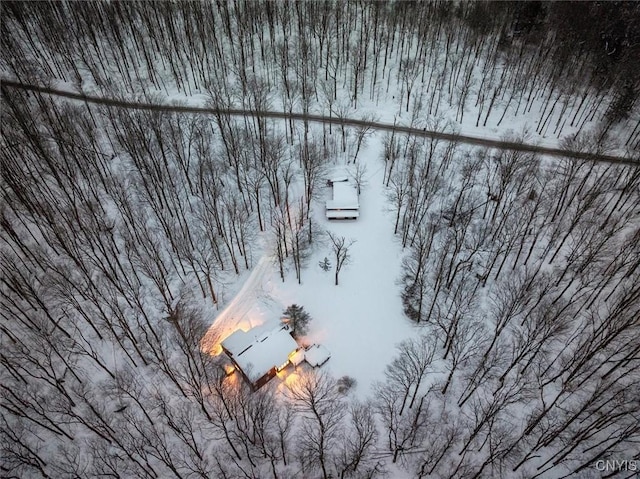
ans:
(119, 230)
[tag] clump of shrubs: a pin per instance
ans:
(345, 383)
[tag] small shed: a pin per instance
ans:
(316, 355)
(297, 358)
(344, 203)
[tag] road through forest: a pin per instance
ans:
(472, 140)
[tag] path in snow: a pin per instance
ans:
(234, 315)
(488, 142)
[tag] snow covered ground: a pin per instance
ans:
(361, 319)
(236, 315)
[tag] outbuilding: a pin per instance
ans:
(316, 355)
(344, 204)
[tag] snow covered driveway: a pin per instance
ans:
(236, 314)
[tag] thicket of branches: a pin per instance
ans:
(573, 67)
(524, 274)
(118, 229)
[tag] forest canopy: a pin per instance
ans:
(125, 232)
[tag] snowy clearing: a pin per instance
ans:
(360, 320)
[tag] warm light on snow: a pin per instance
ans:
(357, 322)
(288, 378)
(411, 230)
(213, 339)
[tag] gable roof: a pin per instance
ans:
(257, 352)
(345, 197)
(237, 342)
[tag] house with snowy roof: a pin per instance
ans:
(344, 204)
(259, 355)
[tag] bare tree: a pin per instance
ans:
(440, 444)
(356, 457)
(320, 404)
(341, 251)
(359, 176)
(20, 455)
(362, 132)
(404, 433)
(464, 348)
(313, 166)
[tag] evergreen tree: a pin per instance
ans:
(325, 264)
(297, 318)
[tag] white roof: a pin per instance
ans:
(317, 355)
(345, 196)
(240, 340)
(297, 358)
(237, 342)
(269, 350)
